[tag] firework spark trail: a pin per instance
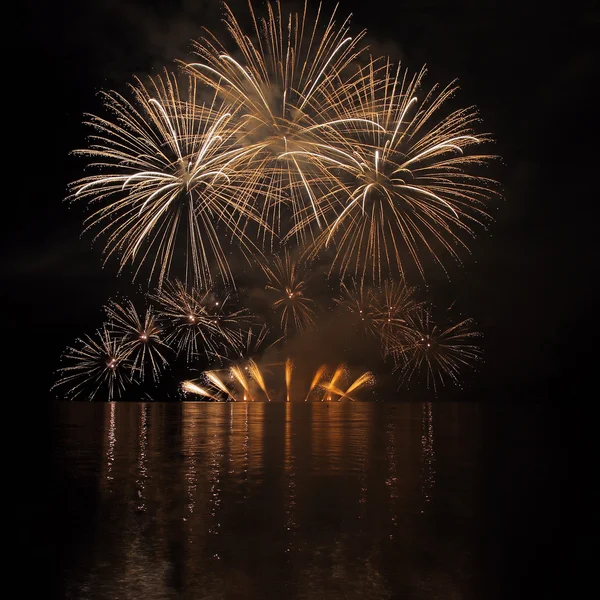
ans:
(286, 87)
(197, 323)
(393, 303)
(167, 165)
(254, 341)
(337, 375)
(330, 388)
(408, 188)
(364, 379)
(287, 280)
(316, 379)
(192, 388)
(215, 380)
(97, 362)
(238, 375)
(440, 353)
(289, 367)
(141, 335)
(358, 300)
(256, 374)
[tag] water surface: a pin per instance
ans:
(272, 501)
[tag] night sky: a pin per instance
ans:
(528, 282)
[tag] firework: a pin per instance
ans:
(167, 170)
(287, 283)
(238, 375)
(217, 382)
(230, 323)
(285, 82)
(393, 304)
(331, 385)
(402, 180)
(257, 375)
(437, 353)
(319, 374)
(364, 379)
(357, 302)
(290, 137)
(198, 321)
(192, 388)
(142, 335)
(360, 382)
(255, 341)
(100, 362)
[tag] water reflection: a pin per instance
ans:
(290, 479)
(286, 500)
(142, 458)
(427, 454)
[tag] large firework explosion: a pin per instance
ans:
(285, 144)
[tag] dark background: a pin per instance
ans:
(530, 69)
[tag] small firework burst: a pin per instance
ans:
(231, 323)
(196, 324)
(95, 363)
(142, 335)
(357, 301)
(287, 282)
(393, 304)
(436, 353)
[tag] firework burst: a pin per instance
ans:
(142, 335)
(402, 180)
(393, 305)
(197, 323)
(167, 170)
(285, 82)
(287, 280)
(96, 362)
(436, 353)
(357, 302)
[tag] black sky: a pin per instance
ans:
(529, 70)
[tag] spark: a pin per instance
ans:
(319, 374)
(287, 282)
(192, 388)
(256, 374)
(284, 84)
(94, 363)
(436, 353)
(167, 170)
(142, 335)
(408, 187)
